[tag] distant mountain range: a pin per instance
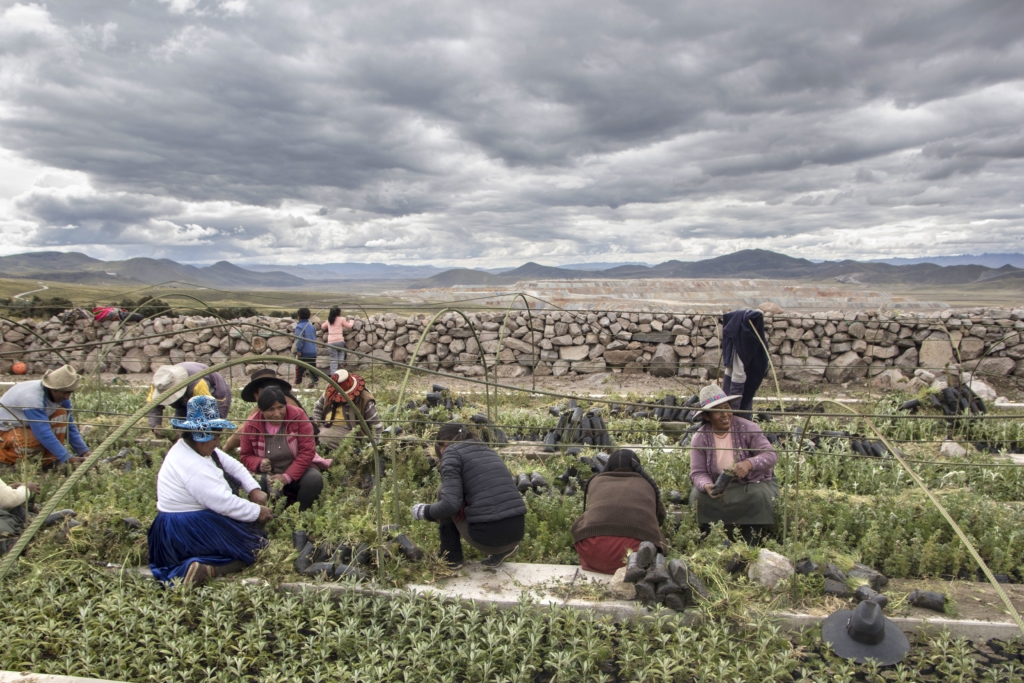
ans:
(990, 260)
(751, 263)
(79, 268)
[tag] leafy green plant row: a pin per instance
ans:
(83, 622)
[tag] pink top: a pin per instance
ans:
(336, 332)
(724, 456)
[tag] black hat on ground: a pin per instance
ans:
(260, 379)
(864, 633)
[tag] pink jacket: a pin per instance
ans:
(300, 438)
(752, 445)
(336, 332)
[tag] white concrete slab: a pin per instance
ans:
(27, 677)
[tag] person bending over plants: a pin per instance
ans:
(202, 529)
(278, 443)
(745, 496)
(478, 500)
(621, 508)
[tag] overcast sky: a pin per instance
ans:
(490, 134)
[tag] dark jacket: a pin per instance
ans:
(621, 504)
(473, 474)
(738, 338)
(751, 443)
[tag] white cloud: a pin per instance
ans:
(489, 135)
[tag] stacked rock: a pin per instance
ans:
(659, 581)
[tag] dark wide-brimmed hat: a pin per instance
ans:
(260, 379)
(865, 633)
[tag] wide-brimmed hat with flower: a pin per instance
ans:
(202, 418)
(712, 396)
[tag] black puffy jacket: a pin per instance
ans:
(473, 473)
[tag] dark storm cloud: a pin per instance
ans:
(534, 130)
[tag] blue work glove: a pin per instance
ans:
(419, 511)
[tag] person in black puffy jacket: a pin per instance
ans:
(478, 500)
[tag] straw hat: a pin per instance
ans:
(202, 417)
(712, 395)
(165, 377)
(62, 379)
(865, 632)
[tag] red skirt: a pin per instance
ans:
(605, 554)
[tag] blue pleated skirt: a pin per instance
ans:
(177, 539)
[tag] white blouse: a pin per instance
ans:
(188, 482)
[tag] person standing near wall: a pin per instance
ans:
(336, 326)
(305, 347)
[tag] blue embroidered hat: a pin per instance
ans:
(712, 395)
(202, 418)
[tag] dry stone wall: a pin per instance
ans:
(831, 347)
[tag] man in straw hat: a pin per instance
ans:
(334, 414)
(167, 376)
(35, 420)
(865, 633)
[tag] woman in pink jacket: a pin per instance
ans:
(278, 443)
(336, 326)
(727, 443)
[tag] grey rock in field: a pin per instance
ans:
(951, 449)
(619, 587)
(770, 568)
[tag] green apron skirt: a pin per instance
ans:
(742, 504)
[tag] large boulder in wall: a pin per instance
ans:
(809, 370)
(846, 367)
(935, 354)
(664, 362)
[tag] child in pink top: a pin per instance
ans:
(336, 326)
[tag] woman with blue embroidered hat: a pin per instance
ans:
(202, 529)
(726, 444)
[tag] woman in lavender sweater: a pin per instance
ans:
(729, 443)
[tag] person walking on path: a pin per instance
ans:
(305, 347)
(167, 376)
(336, 326)
(478, 501)
(36, 420)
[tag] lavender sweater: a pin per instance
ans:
(747, 437)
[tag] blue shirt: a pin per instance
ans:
(305, 331)
(30, 403)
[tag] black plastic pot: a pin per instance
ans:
(932, 600)
(411, 551)
(549, 442)
(304, 560)
(835, 573)
(537, 481)
(674, 601)
(299, 539)
(838, 589)
(644, 591)
(523, 482)
(724, 479)
(634, 572)
(675, 498)
(319, 569)
(646, 554)
(658, 572)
